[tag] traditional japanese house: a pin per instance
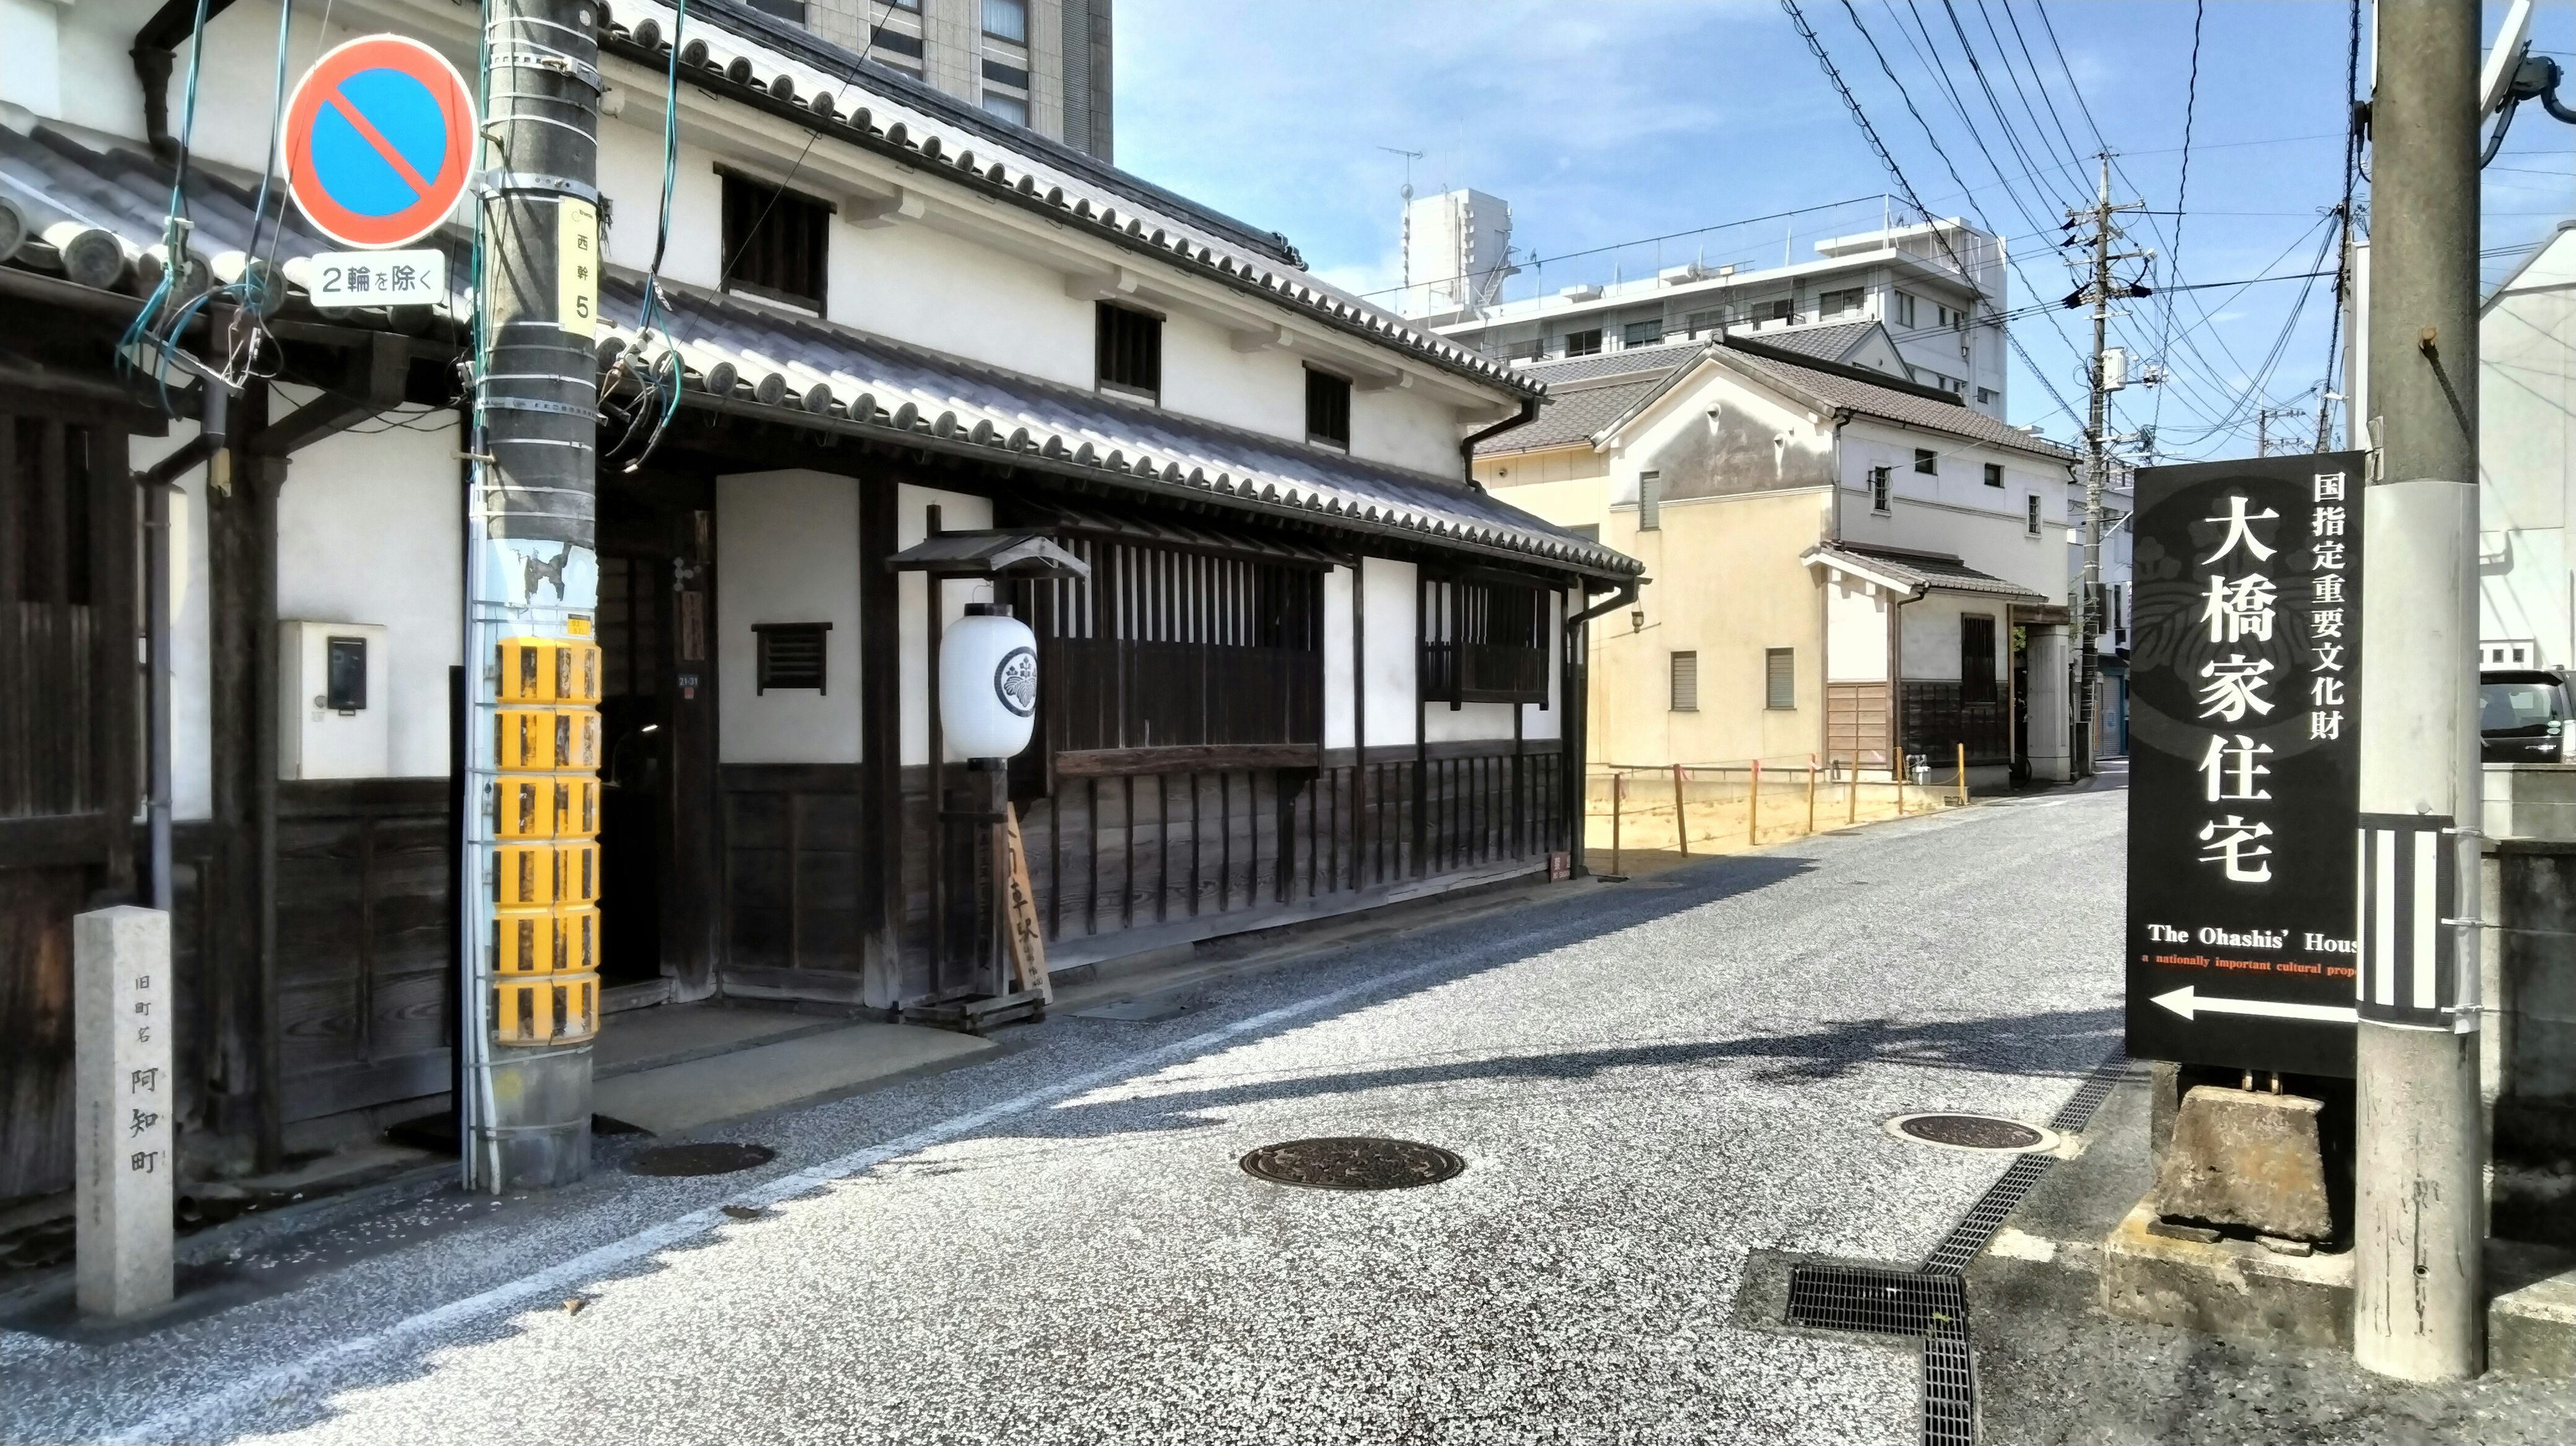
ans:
(1293, 659)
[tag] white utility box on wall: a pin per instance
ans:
(331, 700)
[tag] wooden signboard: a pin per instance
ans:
(1020, 909)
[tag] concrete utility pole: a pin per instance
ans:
(532, 584)
(2419, 1227)
(2097, 441)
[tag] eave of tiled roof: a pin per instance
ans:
(806, 80)
(1913, 571)
(753, 360)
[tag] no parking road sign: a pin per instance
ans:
(379, 141)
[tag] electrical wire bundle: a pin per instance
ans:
(151, 346)
(642, 382)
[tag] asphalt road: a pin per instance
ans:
(1647, 1081)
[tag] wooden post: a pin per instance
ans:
(1851, 793)
(1681, 815)
(1811, 793)
(1963, 774)
(1753, 807)
(1618, 795)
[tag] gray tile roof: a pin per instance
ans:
(1913, 569)
(1587, 394)
(734, 52)
(1871, 399)
(818, 373)
(109, 204)
(1828, 341)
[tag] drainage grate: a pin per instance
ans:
(1970, 1132)
(716, 1157)
(1356, 1162)
(1949, 1390)
(1877, 1302)
(1987, 1216)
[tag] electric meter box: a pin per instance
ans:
(334, 722)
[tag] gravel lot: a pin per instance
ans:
(1055, 1245)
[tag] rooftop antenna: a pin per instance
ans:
(1406, 244)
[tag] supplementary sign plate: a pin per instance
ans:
(379, 141)
(378, 278)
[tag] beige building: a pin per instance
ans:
(1043, 64)
(1844, 565)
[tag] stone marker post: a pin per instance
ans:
(123, 1156)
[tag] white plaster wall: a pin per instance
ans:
(370, 529)
(1931, 635)
(31, 55)
(957, 512)
(1549, 722)
(1955, 512)
(1798, 440)
(1401, 429)
(1467, 722)
(787, 551)
(191, 723)
(1855, 632)
(1394, 690)
(1338, 695)
(2527, 415)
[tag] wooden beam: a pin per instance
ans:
(1128, 762)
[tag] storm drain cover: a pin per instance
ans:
(716, 1157)
(1879, 1302)
(1970, 1132)
(1356, 1162)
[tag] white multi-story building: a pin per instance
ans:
(1044, 64)
(1938, 287)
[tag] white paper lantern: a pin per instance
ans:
(988, 685)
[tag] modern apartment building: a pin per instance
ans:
(1044, 64)
(1938, 287)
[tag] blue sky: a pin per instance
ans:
(1607, 121)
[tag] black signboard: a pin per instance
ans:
(2244, 759)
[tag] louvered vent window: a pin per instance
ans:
(1780, 677)
(1650, 501)
(1685, 682)
(791, 655)
(1130, 350)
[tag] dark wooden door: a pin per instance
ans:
(68, 745)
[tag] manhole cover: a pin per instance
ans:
(1353, 1163)
(1970, 1132)
(713, 1158)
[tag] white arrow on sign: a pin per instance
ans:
(2183, 1002)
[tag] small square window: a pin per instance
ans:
(1685, 682)
(1650, 501)
(791, 655)
(1780, 678)
(1583, 343)
(1994, 474)
(1840, 303)
(1328, 409)
(1986, 396)
(1927, 461)
(1641, 333)
(1130, 350)
(1879, 478)
(777, 244)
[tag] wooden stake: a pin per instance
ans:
(1681, 817)
(1027, 938)
(1618, 797)
(1963, 774)
(1851, 793)
(1811, 793)
(1753, 807)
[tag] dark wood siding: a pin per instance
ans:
(1938, 721)
(365, 921)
